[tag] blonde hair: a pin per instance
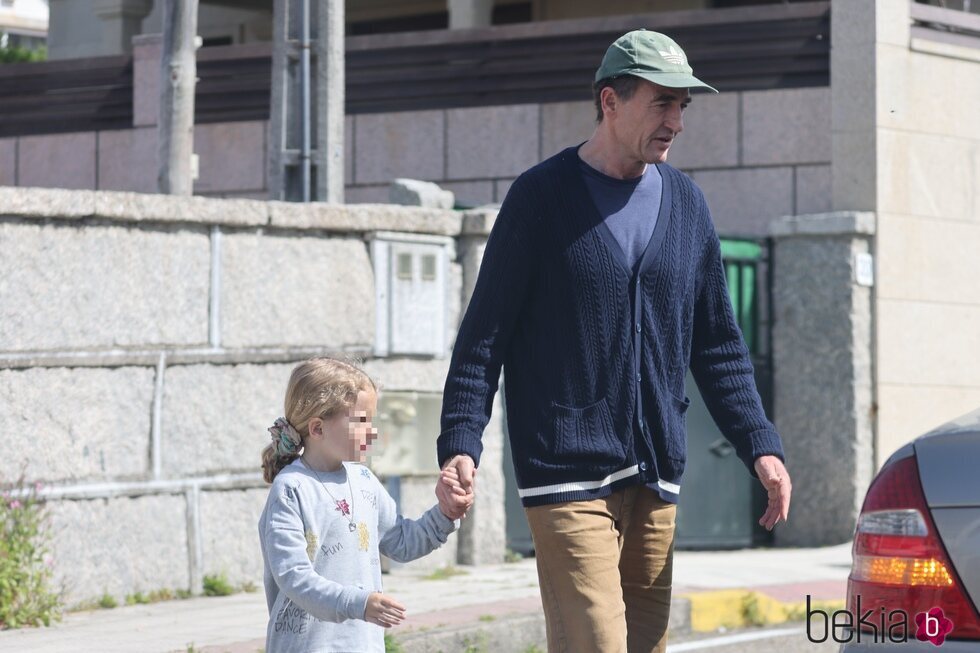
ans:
(319, 387)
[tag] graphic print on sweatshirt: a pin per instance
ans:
(292, 619)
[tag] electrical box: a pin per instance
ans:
(411, 275)
(408, 426)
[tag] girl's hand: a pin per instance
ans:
(383, 611)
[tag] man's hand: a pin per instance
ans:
(454, 501)
(466, 470)
(774, 477)
(457, 489)
(383, 611)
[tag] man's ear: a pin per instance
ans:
(608, 100)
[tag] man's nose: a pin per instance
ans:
(675, 120)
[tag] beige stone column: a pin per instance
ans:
(465, 14)
(121, 21)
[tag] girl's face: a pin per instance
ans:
(347, 436)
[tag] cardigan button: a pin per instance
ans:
(638, 378)
(637, 327)
(643, 467)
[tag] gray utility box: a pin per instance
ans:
(411, 275)
(408, 425)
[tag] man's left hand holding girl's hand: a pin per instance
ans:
(454, 501)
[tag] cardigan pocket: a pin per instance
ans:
(587, 434)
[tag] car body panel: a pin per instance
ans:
(959, 529)
(948, 460)
(949, 466)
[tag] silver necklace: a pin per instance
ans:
(343, 508)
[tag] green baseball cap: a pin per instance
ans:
(652, 56)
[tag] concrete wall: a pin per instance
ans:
(145, 345)
(757, 155)
(906, 144)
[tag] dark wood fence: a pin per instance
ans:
(70, 95)
(748, 48)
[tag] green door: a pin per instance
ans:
(720, 502)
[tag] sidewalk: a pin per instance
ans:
(493, 608)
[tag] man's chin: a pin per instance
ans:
(657, 155)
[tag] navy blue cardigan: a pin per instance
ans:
(595, 355)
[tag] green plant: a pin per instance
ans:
(184, 594)
(487, 618)
(162, 594)
(533, 648)
(443, 573)
(512, 556)
(752, 611)
(26, 595)
(392, 645)
(248, 587)
(476, 644)
(217, 585)
(108, 601)
(19, 54)
(137, 598)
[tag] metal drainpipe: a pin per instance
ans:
(305, 100)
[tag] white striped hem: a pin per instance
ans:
(670, 487)
(584, 486)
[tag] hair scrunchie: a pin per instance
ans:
(285, 438)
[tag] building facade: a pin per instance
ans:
(844, 131)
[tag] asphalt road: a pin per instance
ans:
(785, 638)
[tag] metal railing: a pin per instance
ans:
(953, 26)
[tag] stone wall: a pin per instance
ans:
(757, 155)
(145, 345)
(822, 359)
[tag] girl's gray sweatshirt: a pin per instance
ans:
(321, 548)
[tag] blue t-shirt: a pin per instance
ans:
(629, 207)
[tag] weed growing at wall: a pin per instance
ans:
(26, 594)
(217, 585)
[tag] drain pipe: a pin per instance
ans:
(304, 154)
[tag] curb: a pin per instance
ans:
(711, 611)
(698, 612)
(512, 634)
(515, 633)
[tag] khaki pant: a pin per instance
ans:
(605, 571)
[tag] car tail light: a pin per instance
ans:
(899, 561)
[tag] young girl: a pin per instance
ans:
(328, 519)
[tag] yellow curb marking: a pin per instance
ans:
(739, 608)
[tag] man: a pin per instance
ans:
(602, 283)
